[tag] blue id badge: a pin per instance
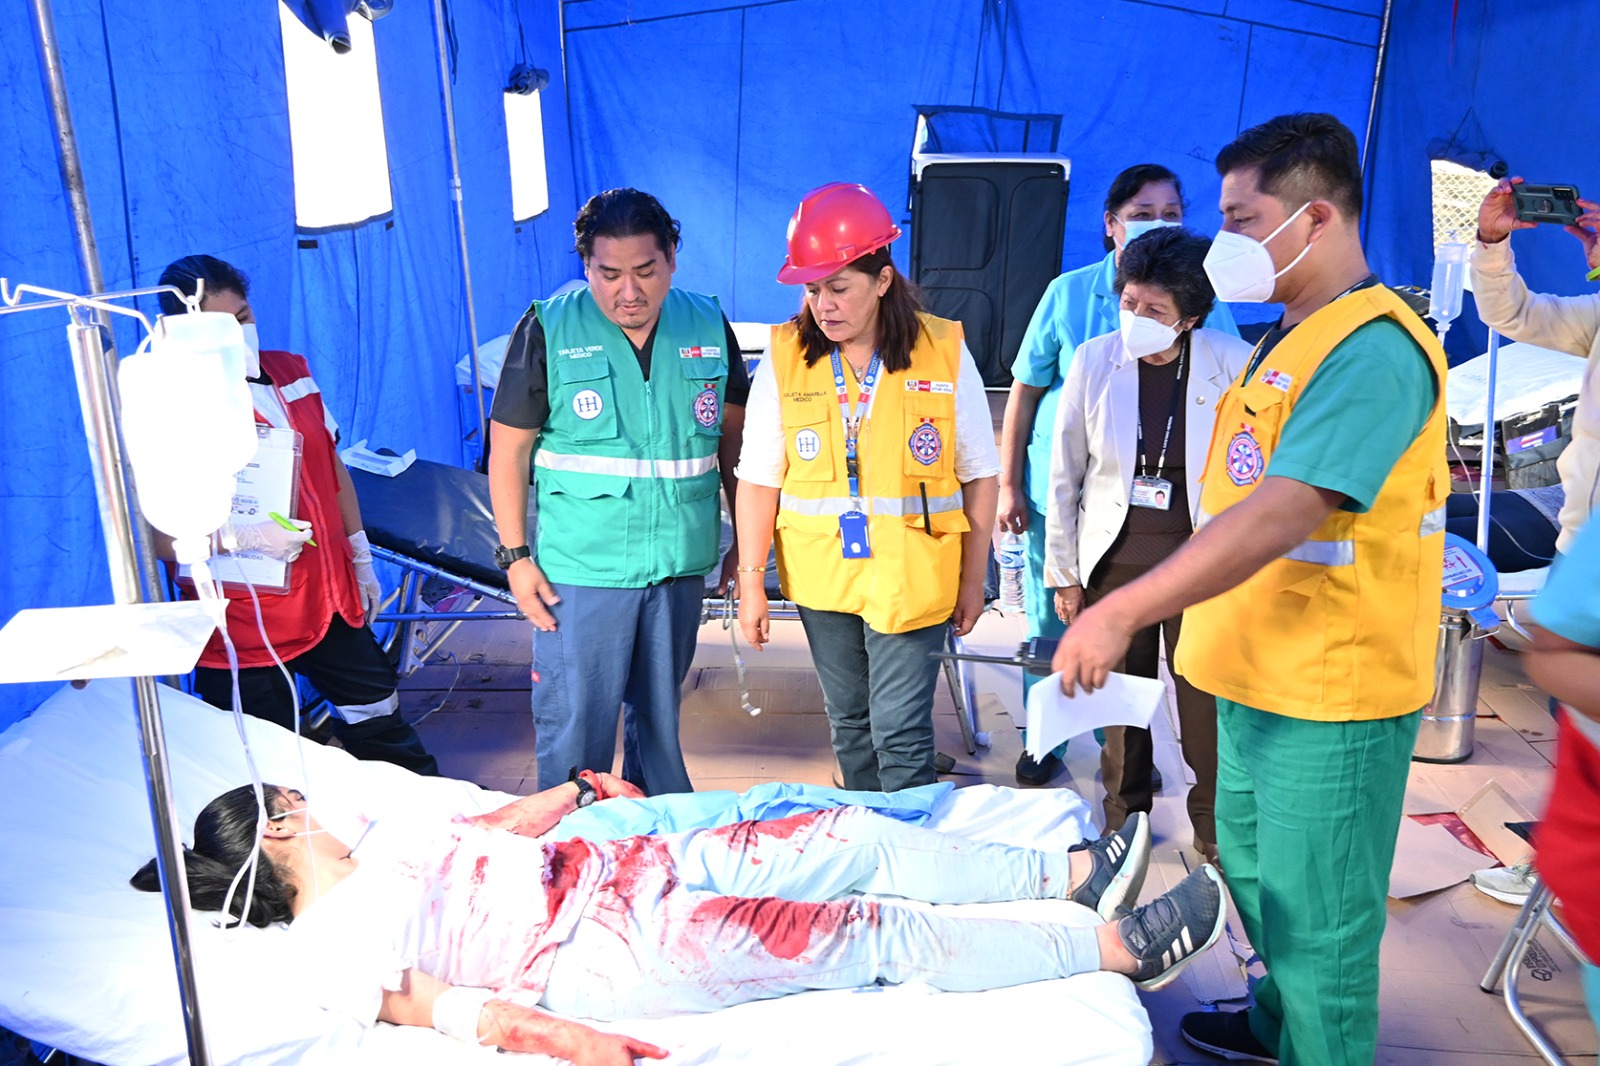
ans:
(853, 532)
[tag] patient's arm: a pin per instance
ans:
(532, 815)
(515, 1028)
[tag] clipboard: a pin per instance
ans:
(269, 482)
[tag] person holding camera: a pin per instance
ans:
(1568, 324)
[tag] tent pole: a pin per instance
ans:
(461, 224)
(88, 254)
(1377, 82)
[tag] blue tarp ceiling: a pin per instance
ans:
(727, 111)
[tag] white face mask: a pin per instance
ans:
(1138, 227)
(1145, 336)
(1240, 268)
(252, 340)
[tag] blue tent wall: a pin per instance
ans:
(729, 111)
(1512, 86)
(762, 101)
(183, 128)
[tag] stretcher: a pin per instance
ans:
(436, 521)
(88, 960)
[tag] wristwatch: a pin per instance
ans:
(504, 556)
(586, 791)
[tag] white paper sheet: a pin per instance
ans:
(1052, 717)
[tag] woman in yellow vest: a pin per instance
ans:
(870, 450)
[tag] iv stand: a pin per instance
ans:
(97, 397)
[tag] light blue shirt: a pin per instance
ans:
(1077, 305)
(1569, 606)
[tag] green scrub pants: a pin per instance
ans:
(1307, 814)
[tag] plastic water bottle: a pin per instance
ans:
(1012, 554)
(1449, 277)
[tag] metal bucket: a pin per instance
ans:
(1447, 724)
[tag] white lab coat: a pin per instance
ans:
(1092, 466)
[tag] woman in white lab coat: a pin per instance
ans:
(1132, 431)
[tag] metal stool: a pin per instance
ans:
(1534, 914)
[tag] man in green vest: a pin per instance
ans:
(627, 397)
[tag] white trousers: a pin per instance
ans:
(704, 920)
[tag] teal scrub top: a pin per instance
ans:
(1076, 306)
(1569, 605)
(1358, 414)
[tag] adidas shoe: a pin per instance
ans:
(1167, 933)
(1120, 860)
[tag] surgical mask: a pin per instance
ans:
(252, 340)
(1240, 267)
(1145, 336)
(1138, 227)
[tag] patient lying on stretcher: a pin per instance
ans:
(469, 927)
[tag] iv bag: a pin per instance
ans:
(189, 424)
(1449, 277)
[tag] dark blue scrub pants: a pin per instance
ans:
(615, 647)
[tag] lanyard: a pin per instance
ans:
(853, 419)
(1172, 415)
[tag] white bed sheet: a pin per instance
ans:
(88, 962)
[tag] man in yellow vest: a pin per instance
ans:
(1311, 592)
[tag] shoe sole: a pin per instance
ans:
(1127, 882)
(1224, 1053)
(1170, 974)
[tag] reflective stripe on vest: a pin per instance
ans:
(835, 506)
(1341, 552)
(624, 467)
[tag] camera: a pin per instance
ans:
(1557, 204)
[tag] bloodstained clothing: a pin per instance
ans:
(688, 922)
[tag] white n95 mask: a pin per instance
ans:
(1145, 336)
(1138, 227)
(1240, 268)
(252, 340)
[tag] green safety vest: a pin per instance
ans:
(626, 469)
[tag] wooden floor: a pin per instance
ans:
(473, 702)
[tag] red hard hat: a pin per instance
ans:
(834, 225)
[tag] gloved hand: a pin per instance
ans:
(366, 577)
(268, 538)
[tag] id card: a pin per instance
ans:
(853, 532)
(1152, 492)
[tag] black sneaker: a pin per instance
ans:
(1167, 933)
(1225, 1034)
(1033, 773)
(1120, 860)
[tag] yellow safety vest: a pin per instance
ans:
(1344, 626)
(906, 447)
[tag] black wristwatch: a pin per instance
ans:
(586, 791)
(504, 556)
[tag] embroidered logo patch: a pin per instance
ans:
(700, 352)
(1245, 462)
(926, 444)
(706, 408)
(807, 444)
(587, 404)
(930, 386)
